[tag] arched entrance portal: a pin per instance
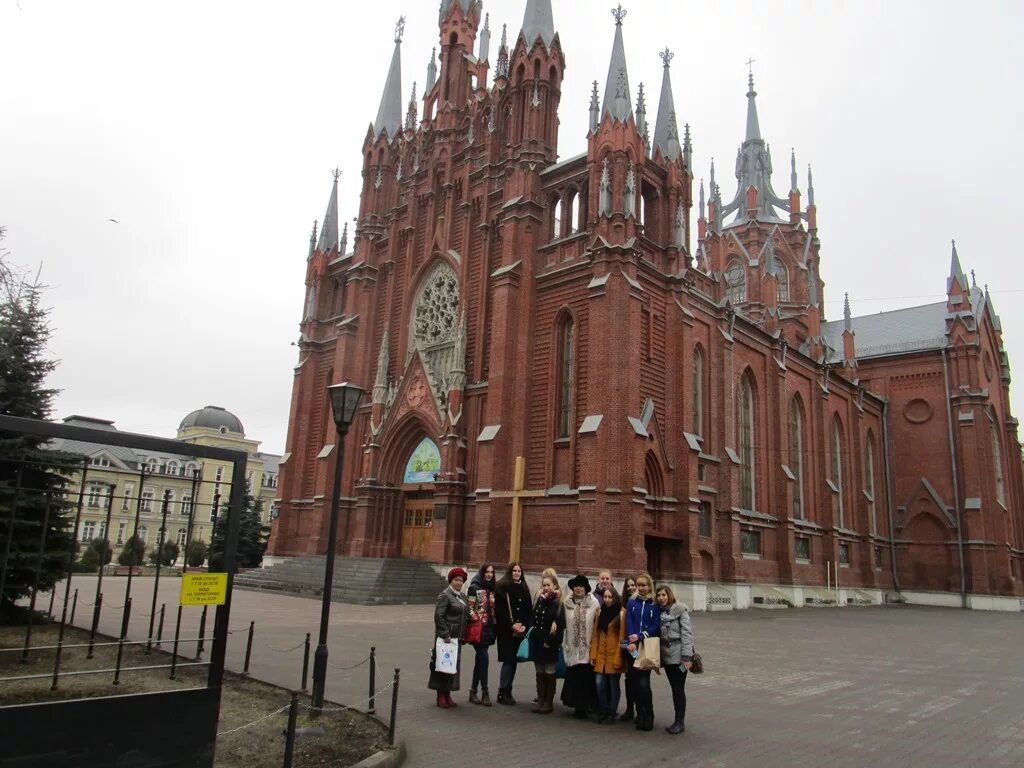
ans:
(418, 476)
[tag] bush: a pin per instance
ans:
(168, 553)
(90, 559)
(133, 552)
(195, 553)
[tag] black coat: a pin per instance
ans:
(543, 645)
(518, 597)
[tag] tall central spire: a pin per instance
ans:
(329, 231)
(538, 21)
(753, 127)
(666, 129)
(616, 88)
(389, 113)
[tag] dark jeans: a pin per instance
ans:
(630, 681)
(642, 690)
(607, 693)
(480, 667)
(507, 676)
(676, 675)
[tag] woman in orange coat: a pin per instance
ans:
(606, 653)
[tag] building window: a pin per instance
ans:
(878, 558)
(126, 499)
(735, 282)
(698, 393)
(566, 352)
(172, 468)
(844, 553)
(745, 424)
(99, 461)
(151, 466)
(121, 527)
(997, 461)
(94, 495)
(837, 474)
(556, 219)
(704, 519)
(103, 529)
(147, 499)
(869, 479)
(186, 504)
(143, 534)
(782, 279)
(572, 210)
(750, 543)
(170, 495)
(796, 455)
(191, 469)
(88, 530)
(802, 548)
(181, 537)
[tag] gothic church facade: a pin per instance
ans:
(684, 410)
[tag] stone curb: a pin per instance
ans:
(386, 758)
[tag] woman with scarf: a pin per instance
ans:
(481, 598)
(450, 616)
(628, 590)
(578, 690)
(606, 654)
(545, 640)
(512, 610)
(643, 620)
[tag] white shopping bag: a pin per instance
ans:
(446, 658)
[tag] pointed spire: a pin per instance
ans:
(485, 39)
(792, 171)
(711, 184)
(810, 186)
(641, 115)
(616, 87)
(847, 322)
(431, 71)
(501, 68)
(538, 21)
(312, 242)
(605, 201)
(956, 272)
(329, 231)
(666, 132)
(629, 193)
(753, 128)
(411, 112)
(595, 110)
(344, 240)
(687, 147)
(700, 205)
(389, 114)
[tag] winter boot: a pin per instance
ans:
(548, 698)
(442, 702)
(451, 702)
(472, 696)
(676, 727)
(485, 699)
(541, 688)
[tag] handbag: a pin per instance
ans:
(523, 652)
(560, 665)
(446, 656)
(650, 655)
(697, 664)
(474, 631)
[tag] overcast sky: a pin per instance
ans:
(208, 131)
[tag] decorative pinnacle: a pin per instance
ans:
(619, 15)
(504, 35)
(336, 173)
(487, 22)
(666, 56)
(641, 103)
(399, 29)
(750, 70)
(313, 236)
(974, 281)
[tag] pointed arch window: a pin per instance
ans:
(697, 421)
(745, 425)
(735, 282)
(997, 460)
(837, 475)
(572, 212)
(556, 218)
(566, 380)
(869, 479)
(796, 456)
(782, 280)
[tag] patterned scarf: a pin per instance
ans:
(579, 624)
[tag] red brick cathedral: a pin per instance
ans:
(679, 408)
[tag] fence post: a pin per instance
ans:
(120, 640)
(394, 710)
(95, 623)
(372, 708)
(305, 664)
(289, 739)
(248, 647)
(74, 604)
(202, 634)
(160, 628)
(53, 593)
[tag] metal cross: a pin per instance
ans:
(619, 14)
(750, 68)
(399, 29)
(336, 173)
(666, 56)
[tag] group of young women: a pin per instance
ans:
(598, 637)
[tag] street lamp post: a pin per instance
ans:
(344, 402)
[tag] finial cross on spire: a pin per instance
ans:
(666, 56)
(399, 29)
(336, 173)
(619, 14)
(750, 66)
(974, 281)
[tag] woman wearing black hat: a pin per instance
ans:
(578, 691)
(450, 616)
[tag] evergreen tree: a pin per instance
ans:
(33, 481)
(133, 552)
(167, 554)
(252, 536)
(195, 553)
(97, 548)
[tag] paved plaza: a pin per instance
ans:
(895, 686)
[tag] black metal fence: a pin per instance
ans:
(47, 499)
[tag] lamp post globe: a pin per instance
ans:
(345, 399)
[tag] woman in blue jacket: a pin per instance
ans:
(643, 619)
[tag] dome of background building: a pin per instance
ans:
(213, 417)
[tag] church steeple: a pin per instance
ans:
(956, 273)
(616, 88)
(389, 113)
(753, 127)
(666, 129)
(538, 21)
(329, 231)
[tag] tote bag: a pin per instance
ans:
(446, 658)
(650, 654)
(523, 653)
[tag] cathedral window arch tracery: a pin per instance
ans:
(437, 329)
(735, 282)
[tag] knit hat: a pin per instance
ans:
(456, 572)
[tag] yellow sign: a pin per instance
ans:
(204, 588)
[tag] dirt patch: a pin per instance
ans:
(249, 736)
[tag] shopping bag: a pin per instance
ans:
(560, 665)
(523, 653)
(650, 654)
(447, 656)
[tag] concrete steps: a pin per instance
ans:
(357, 580)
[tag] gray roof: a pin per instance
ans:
(271, 461)
(890, 333)
(213, 417)
(666, 129)
(389, 113)
(538, 21)
(616, 88)
(329, 230)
